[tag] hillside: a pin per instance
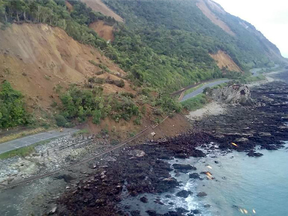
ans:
(199, 24)
(48, 58)
(86, 64)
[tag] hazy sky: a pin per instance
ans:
(269, 17)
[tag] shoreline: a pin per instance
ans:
(137, 178)
(132, 164)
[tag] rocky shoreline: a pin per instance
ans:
(132, 171)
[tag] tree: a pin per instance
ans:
(17, 7)
(3, 10)
(12, 112)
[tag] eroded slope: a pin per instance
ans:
(39, 59)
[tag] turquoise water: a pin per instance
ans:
(247, 184)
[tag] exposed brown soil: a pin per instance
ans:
(214, 19)
(99, 6)
(224, 61)
(36, 58)
(103, 30)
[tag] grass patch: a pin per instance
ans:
(81, 132)
(195, 103)
(251, 79)
(20, 134)
(23, 152)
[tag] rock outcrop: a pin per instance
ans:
(233, 94)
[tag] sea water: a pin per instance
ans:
(241, 185)
(238, 185)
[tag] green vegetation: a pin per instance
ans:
(190, 35)
(250, 79)
(134, 54)
(168, 104)
(195, 103)
(81, 132)
(156, 51)
(12, 111)
(81, 104)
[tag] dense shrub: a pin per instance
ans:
(12, 111)
(168, 104)
(195, 103)
(61, 121)
(80, 104)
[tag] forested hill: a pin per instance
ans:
(165, 44)
(188, 28)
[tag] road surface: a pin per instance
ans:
(200, 90)
(32, 139)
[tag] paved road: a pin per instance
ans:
(200, 90)
(32, 139)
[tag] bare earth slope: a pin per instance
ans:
(37, 59)
(99, 6)
(213, 17)
(104, 31)
(225, 61)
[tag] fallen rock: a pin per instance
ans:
(183, 193)
(194, 175)
(196, 211)
(201, 194)
(144, 199)
(265, 134)
(254, 154)
(151, 213)
(183, 167)
(137, 153)
(135, 213)
(53, 210)
(181, 210)
(242, 139)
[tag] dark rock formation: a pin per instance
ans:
(184, 193)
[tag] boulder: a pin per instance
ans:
(151, 213)
(144, 199)
(183, 167)
(201, 194)
(137, 153)
(196, 211)
(194, 175)
(242, 139)
(265, 134)
(254, 154)
(233, 94)
(183, 193)
(135, 213)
